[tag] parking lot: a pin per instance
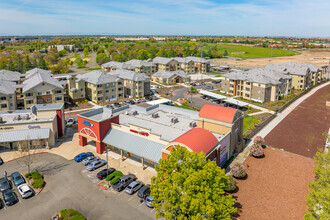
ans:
(68, 187)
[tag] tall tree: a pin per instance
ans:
(42, 64)
(27, 64)
(189, 187)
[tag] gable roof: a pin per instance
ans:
(128, 74)
(294, 68)
(30, 73)
(97, 77)
(7, 87)
(114, 64)
(167, 75)
(218, 113)
(162, 60)
(40, 77)
(10, 75)
(198, 139)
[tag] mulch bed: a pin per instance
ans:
(276, 186)
(301, 131)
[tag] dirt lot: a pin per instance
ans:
(276, 186)
(301, 131)
(319, 57)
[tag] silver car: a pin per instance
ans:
(149, 201)
(89, 159)
(25, 190)
(96, 164)
(133, 187)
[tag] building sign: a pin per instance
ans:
(33, 126)
(88, 123)
(224, 149)
(139, 132)
(6, 128)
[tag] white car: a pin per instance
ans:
(89, 159)
(137, 101)
(25, 190)
(70, 121)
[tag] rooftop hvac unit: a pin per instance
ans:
(174, 120)
(193, 124)
(134, 113)
(155, 115)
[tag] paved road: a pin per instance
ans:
(67, 187)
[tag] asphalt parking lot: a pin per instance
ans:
(68, 187)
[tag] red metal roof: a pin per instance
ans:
(218, 113)
(198, 139)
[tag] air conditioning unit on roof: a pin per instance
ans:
(174, 120)
(155, 115)
(193, 124)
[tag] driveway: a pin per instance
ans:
(68, 188)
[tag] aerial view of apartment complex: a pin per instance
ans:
(164, 110)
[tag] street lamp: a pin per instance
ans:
(107, 151)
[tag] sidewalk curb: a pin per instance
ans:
(42, 188)
(102, 187)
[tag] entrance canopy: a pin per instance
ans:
(22, 135)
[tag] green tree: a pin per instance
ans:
(42, 64)
(85, 52)
(143, 54)
(318, 198)
(27, 64)
(101, 58)
(225, 53)
(189, 187)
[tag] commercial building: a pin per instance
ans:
(260, 84)
(147, 133)
(170, 77)
(38, 127)
(303, 74)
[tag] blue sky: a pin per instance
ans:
(301, 18)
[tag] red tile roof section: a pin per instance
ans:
(198, 139)
(218, 113)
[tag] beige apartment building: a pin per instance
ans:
(170, 78)
(260, 84)
(7, 95)
(139, 66)
(166, 64)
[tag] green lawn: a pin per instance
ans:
(249, 122)
(253, 52)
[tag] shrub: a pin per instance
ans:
(71, 214)
(114, 174)
(39, 183)
(238, 170)
(257, 150)
(33, 175)
(231, 185)
(28, 175)
(259, 140)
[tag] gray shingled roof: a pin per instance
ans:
(7, 87)
(38, 78)
(10, 75)
(97, 77)
(30, 73)
(293, 68)
(198, 59)
(114, 64)
(167, 75)
(27, 134)
(130, 75)
(162, 60)
(258, 75)
(138, 63)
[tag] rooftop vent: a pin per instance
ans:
(193, 124)
(134, 113)
(155, 115)
(174, 120)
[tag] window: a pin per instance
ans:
(99, 86)
(58, 91)
(114, 89)
(247, 95)
(107, 85)
(259, 85)
(48, 92)
(3, 105)
(3, 98)
(39, 93)
(81, 89)
(106, 91)
(81, 96)
(258, 91)
(48, 100)
(28, 94)
(30, 101)
(58, 98)
(99, 92)
(99, 99)
(11, 104)
(40, 100)
(10, 97)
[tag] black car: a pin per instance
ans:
(1, 161)
(123, 182)
(117, 105)
(131, 102)
(103, 173)
(193, 84)
(144, 191)
(9, 197)
(5, 184)
(203, 84)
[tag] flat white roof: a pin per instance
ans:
(212, 94)
(158, 101)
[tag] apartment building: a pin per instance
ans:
(7, 95)
(139, 66)
(166, 64)
(11, 76)
(303, 75)
(170, 77)
(186, 64)
(260, 84)
(201, 65)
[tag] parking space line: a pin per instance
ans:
(141, 203)
(130, 198)
(121, 192)
(152, 210)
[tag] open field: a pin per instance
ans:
(301, 131)
(276, 186)
(318, 57)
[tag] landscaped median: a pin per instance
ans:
(38, 180)
(68, 214)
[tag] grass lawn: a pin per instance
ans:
(253, 52)
(249, 122)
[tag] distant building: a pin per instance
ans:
(170, 77)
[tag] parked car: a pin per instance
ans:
(133, 187)
(110, 106)
(17, 178)
(9, 197)
(193, 84)
(96, 164)
(137, 101)
(131, 102)
(203, 96)
(70, 122)
(202, 84)
(126, 102)
(5, 184)
(1, 161)
(82, 156)
(123, 182)
(89, 159)
(209, 87)
(149, 201)
(103, 173)
(25, 190)
(117, 105)
(148, 98)
(144, 191)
